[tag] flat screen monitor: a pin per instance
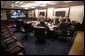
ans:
(60, 13)
(42, 13)
(17, 13)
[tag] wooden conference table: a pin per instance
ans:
(35, 23)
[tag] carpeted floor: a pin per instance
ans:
(50, 47)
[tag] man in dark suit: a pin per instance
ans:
(66, 20)
(42, 23)
(49, 20)
(56, 20)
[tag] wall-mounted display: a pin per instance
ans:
(60, 13)
(14, 14)
(17, 13)
(42, 13)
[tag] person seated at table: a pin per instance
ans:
(66, 20)
(60, 17)
(62, 25)
(60, 22)
(42, 23)
(56, 20)
(49, 20)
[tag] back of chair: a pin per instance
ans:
(17, 24)
(28, 27)
(39, 33)
(63, 26)
(75, 24)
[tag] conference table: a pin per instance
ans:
(51, 33)
(35, 23)
(52, 27)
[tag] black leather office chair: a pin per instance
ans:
(28, 28)
(39, 33)
(13, 49)
(19, 24)
(9, 44)
(10, 40)
(61, 31)
(77, 26)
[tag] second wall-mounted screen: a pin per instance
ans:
(60, 13)
(42, 13)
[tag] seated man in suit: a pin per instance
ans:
(56, 20)
(42, 23)
(60, 22)
(49, 20)
(66, 20)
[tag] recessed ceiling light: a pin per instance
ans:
(21, 2)
(26, 8)
(16, 5)
(12, 5)
(29, 5)
(52, 3)
(43, 2)
(32, 7)
(67, 1)
(17, 2)
(43, 5)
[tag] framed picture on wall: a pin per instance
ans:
(60, 13)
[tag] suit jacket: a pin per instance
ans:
(56, 21)
(65, 20)
(49, 20)
(43, 24)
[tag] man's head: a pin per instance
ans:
(56, 18)
(66, 17)
(60, 20)
(42, 20)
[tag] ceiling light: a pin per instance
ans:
(43, 2)
(67, 1)
(26, 8)
(43, 5)
(32, 7)
(12, 5)
(16, 5)
(17, 2)
(21, 2)
(29, 5)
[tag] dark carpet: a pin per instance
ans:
(50, 47)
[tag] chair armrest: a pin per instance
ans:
(5, 30)
(10, 49)
(10, 39)
(6, 34)
(7, 39)
(7, 50)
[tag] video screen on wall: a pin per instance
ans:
(42, 13)
(60, 13)
(17, 13)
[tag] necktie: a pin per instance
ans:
(66, 20)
